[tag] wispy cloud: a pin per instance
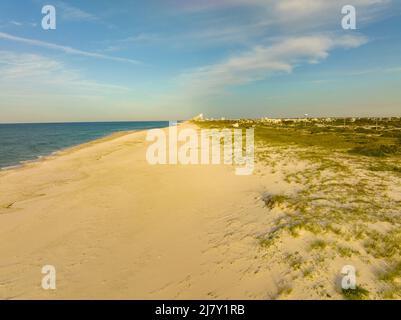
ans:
(307, 14)
(42, 89)
(16, 23)
(267, 17)
(287, 7)
(22, 24)
(341, 74)
(396, 69)
(246, 23)
(71, 13)
(263, 61)
(65, 49)
(39, 73)
(141, 38)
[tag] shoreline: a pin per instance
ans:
(44, 157)
(116, 227)
(58, 152)
(94, 212)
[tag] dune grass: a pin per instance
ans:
(343, 197)
(358, 293)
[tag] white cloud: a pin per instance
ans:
(27, 72)
(42, 89)
(263, 61)
(323, 14)
(266, 18)
(22, 24)
(286, 7)
(65, 49)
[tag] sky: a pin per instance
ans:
(173, 59)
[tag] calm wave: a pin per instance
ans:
(23, 142)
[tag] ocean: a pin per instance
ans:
(29, 141)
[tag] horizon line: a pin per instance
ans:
(205, 119)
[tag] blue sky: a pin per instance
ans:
(172, 59)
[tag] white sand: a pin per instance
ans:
(116, 227)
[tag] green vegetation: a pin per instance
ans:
(273, 200)
(385, 167)
(358, 293)
(359, 137)
(294, 260)
(376, 150)
(318, 244)
(392, 273)
(342, 202)
(283, 289)
(384, 245)
(346, 251)
(391, 276)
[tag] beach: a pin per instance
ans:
(200, 150)
(115, 227)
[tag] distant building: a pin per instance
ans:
(269, 120)
(199, 117)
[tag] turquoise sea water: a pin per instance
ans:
(28, 141)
